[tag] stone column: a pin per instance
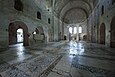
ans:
(77, 33)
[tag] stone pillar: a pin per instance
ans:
(77, 38)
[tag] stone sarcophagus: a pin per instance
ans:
(39, 37)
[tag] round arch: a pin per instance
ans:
(39, 30)
(13, 27)
(102, 33)
(112, 33)
(74, 9)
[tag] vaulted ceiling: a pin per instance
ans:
(73, 11)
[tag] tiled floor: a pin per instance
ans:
(58, 59)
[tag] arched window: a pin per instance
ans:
(18, 5)
(38, 15)
(113, 1)
(102, 10)
(49, 20)
(70, 30)
(80, 29)
(75, 30)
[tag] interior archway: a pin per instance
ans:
(112, 41)
(102, 33)
(85, 38)
(13, 27)
(39, 30)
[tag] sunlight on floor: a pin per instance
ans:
(76, 48)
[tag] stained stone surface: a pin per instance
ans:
(85, 60)
(58, 59)
(36, 66)
(14, 72)
(52, 74)
(26, 62)
(4, 66)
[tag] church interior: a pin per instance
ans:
(57, 38)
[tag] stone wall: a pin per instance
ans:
(28, 16)
(96, 19)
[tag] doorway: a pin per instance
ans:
(112, 33)
(102, 34)
(18, 33)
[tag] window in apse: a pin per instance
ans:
(75, 30)
(80, 29)
(70, 30)
(20, 35)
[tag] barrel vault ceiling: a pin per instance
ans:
(73, 11)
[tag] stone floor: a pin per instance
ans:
(58, 59)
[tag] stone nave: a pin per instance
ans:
(57, 38)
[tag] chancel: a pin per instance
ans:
(57, 38)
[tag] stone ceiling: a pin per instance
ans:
(73, 10)
(75, 15)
